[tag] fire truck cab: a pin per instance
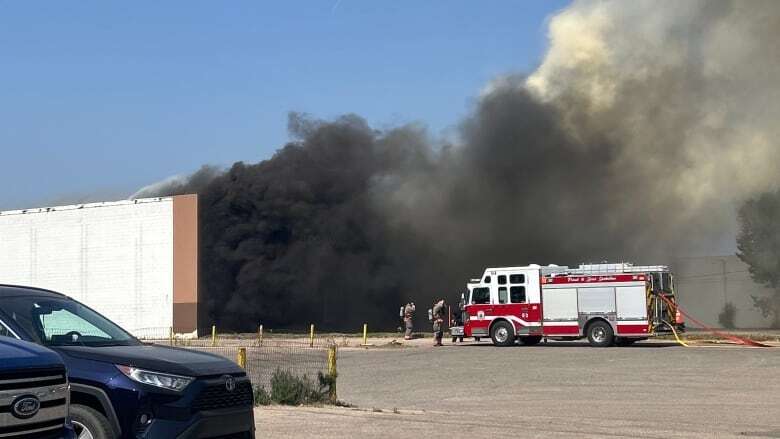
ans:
(605, 303)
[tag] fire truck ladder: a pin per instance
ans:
(662, 312)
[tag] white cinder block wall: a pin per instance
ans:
(115, 257)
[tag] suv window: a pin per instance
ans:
(480, 295)
(4, 331)
(502, 279)
(55, 321)
(62, 322)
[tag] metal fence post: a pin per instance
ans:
(260, 335)
(311, 336)
(365, 334)
(170, 335)
(332, 372)
(213, 336)
(242, 357)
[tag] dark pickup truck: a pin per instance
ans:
(33, 391)
(123, 388)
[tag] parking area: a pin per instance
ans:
(653, 390)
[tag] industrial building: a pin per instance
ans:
(704, 284)
(135, 261)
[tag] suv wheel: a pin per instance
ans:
(90, 424)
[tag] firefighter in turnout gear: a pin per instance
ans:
(409, 310)
(438, 322)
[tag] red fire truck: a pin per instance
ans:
(607, 303)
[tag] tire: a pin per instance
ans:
(460, 339)
(90, 424)
(502, 334)
(600, 334)
(531, 340)
(454, 339)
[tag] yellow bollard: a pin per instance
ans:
(260, 335)
(242, 357)
(365, 334)
(311, 336)
(213, 336)
(332, 372)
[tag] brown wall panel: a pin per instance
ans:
(185, 263)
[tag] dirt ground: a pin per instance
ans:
(652, 389)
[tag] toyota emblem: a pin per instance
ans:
(25, 407)
(230, 383)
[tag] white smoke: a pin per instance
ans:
(696, 83)
(179, 184)
(159, 187)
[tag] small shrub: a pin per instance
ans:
(290, 389)
(261, 396)
(727, 317)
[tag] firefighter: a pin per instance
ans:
(409, 310)
(438, 322)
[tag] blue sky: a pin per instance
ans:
(98, 98)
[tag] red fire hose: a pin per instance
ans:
(736, 339)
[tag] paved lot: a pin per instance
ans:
(654, 390)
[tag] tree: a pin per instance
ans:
(758, 245)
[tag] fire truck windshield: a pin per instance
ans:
(480, 295)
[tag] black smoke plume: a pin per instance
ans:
(634, 140)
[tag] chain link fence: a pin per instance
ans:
(259, 355)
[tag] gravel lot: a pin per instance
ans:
(654, 390)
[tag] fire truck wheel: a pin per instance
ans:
(531, 340)
(600, 334)
(502, 334)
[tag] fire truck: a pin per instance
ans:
(609, 304)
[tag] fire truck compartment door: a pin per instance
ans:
(596, 299)
(560, 304)
(631, 303)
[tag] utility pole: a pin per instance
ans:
(725, 282)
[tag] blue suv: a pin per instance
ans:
(33, 391)
(123, 388)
